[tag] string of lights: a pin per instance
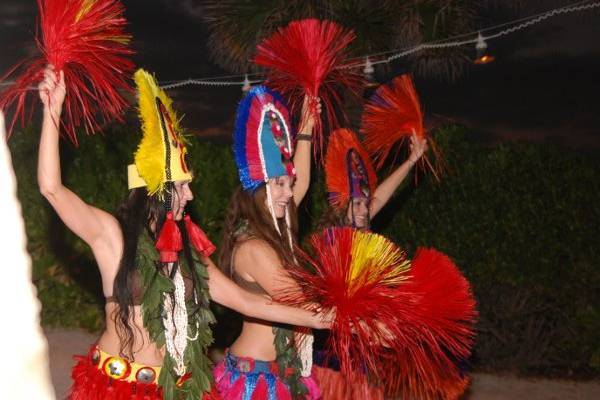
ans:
(476, 38)
(479, 38)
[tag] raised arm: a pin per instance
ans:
(303, 151)
(225, 292)
(386, 189)
(97, 228)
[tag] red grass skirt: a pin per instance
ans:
(90, 383)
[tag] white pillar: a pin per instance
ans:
(24, 372)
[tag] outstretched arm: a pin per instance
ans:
(386, 189)
(89, 223)
(225, 292)
(304, 148)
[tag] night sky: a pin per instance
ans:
(544, 85)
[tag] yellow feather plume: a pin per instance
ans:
(150, 155)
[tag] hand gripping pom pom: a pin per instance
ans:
(309, 57)
(86, 40)
(391, 116)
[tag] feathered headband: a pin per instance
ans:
(160, 157)
(263, 138)
(348, 169)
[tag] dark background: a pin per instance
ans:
(544, 84)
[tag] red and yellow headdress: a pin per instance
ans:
(348, 169)
(160, 157)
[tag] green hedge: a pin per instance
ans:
(520, 220)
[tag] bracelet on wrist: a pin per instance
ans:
(304, 136)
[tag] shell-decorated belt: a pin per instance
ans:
(119, 368)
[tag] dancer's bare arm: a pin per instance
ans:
(97, 228)
(303, 151)
(225, 292)
(386, 189)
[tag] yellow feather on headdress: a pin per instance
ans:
(151, 155)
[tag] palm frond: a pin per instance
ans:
(237, 26)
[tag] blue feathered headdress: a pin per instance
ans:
(262, 142)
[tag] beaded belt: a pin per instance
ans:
(249, 365)
(119, 368)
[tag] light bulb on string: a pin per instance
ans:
(481, 48)
(246, 85)
(368, 72)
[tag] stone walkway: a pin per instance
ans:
(64, 343)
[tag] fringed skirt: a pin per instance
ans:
(243, 378)
(336, 386)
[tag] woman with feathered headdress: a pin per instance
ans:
(266, 360)
(353, 193)
(154, 262)
(354, 198)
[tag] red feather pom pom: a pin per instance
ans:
(86, 40)
(391, 116)
(406, 327)
(198, 238)
(443, 308)
(169, 242)
(310, 57)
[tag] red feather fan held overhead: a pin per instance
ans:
(86, 40)
(309, 57)
(390, 117)
(405, 326)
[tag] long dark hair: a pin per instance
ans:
(249, 207)
(137, 213)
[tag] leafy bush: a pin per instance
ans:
(521, 220)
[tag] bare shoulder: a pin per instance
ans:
(254, 254)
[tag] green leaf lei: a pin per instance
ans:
(200, 317)
(288, 360)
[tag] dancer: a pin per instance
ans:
(353, 194)
(354, 198)
(157, 288)
(266, 360)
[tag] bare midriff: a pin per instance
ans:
(145, 350)
(255, 341)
